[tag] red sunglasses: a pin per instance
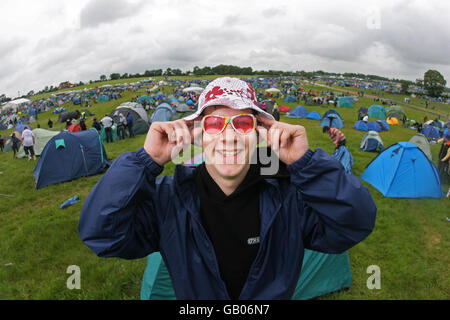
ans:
(241, 123)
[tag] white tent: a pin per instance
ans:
(135, 107)
(193, 89)
(13, 105)
(273, 90)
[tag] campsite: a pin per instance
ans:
(39, 240)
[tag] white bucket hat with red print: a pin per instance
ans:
(230, 92)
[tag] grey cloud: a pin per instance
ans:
(99, 12)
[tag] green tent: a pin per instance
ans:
(421, 141)
(42, 137)
(396, 112)
(114, 133)
(141, 127)
(321, 274)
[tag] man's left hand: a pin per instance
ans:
(288, 141)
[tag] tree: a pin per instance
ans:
(103, 77)
(434, 83)
(405, 86)
(114, 76)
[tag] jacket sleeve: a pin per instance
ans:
(338, 211)
(118, 218)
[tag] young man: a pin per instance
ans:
(107, 123)
(336, 136)
(28, 142)
(225, 230)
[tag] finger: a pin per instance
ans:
(285, 138)
(182, 132)
(274, 134)
(168, 130)
(263, 133)
(267, 121)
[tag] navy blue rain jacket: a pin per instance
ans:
(131, 213)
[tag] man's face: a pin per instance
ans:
(227, 154)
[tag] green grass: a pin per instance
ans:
(38, 240)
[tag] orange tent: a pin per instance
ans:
(392, 121)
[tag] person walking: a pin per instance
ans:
(107, 123)
(28, 142)
(130, 124)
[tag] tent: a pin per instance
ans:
(396, 112)
(197, 90)
(272, 90)
(403, 171)
(163, 112)
(42, 137)
(331, 111)
(343, 155)
(321, 274)
(74, 127)
(333, 121)
(68, 115)
(431, 132)
(68, 156)
(383, 125)
(377, 111)
(314, 115)
(361, 126)
(284, 108)
(141, 127)
(345, 102)
(392, 121)
(422, 142)
(374, 126)
(137, 108)
(21, 127)
(182, 107)
(103, 98)
(290, 99)
(371, 142)
(298, 112)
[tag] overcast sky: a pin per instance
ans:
(45, 42)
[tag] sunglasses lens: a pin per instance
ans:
(243, 124)
(213, 125)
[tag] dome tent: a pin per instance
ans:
(164, 112)
(68, 156)
(314, 115)
(361, 126)
(403, 171)
(298, 112)
(332, 120)
(377, 111)
(421, 141)
(371, 142)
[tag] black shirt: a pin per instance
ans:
(232, 224)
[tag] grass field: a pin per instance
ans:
(39, 241)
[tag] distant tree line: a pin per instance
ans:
(433, 81)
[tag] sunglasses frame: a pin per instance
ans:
(229, 120)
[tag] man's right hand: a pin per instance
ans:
(165, 140)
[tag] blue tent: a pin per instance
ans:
(343, 155)
(374, 126)
(103, 98)
(332, 121)
(298, 112)
(21, 127)
(345, 102)
(331, 111)
(321, 274)
(431, 132)
(404, 171)
(384, 125)
(68, 156)
(360, 125)
(314, 115)
(377, 111)
(289, 99)
(163, 112)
